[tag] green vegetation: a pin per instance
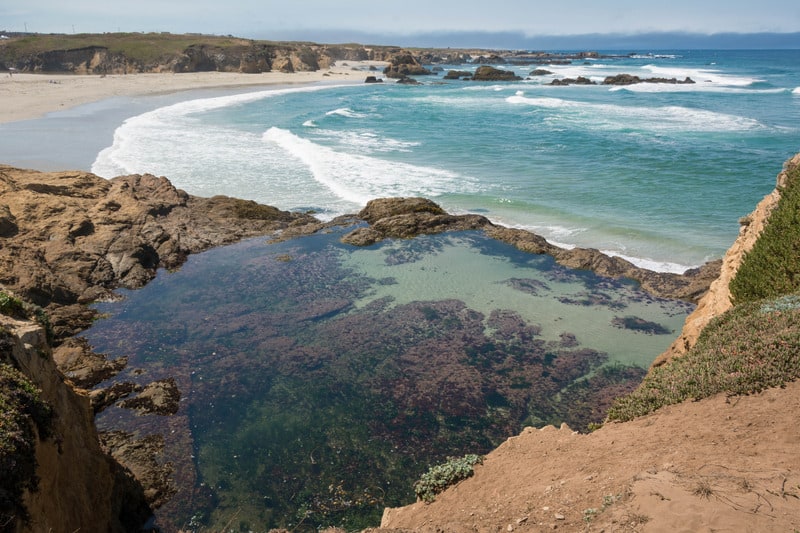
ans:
(21, 410)
(11, 306)
(772, 267)
(753, 346)
(748, 349)
(16, 308)
(439, 477)
(142, 47)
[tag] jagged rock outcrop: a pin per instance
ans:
(407, 217)
(403, 218)
(80, 488)
(403, 65)
(488, 73)
(689, 286)
(79, 236)
(718, 298)
(580, 80)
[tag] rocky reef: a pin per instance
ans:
(407, 217)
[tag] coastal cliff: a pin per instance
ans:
(77, 485)
(718, 298)
(128, 53)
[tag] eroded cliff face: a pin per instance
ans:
(251, 57)
(718, 298)
(80, 488)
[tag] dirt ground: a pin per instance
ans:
(720, 464)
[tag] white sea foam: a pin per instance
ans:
(654, 56)
(366, 142)
(139, 138)
(346, 112)
(651, 264)
(358, 178)
(796, 90)
(309, 124)
(684, 88)
(663, 119)
(701, 76)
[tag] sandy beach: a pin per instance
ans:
(28, 96)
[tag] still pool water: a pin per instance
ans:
(320, 380)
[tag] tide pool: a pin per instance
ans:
(319, 380)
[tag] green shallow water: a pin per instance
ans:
(320, 380)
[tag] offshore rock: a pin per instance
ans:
(580, 80)
(629, 79)
(487, 73)
(403, 65)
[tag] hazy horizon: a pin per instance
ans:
(456, 23)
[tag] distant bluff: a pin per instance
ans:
(129, 53)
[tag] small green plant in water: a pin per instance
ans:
(439, 477)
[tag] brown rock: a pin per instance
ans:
(79, 236)
(487, 73)
(403, 218)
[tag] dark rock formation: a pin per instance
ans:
(629, 79)
(408, 217)
(491, 59)
(373, 79)
(457, 75)
(405, 80)
(539, 72)
(403, 65)
(487, 73)
(580, 80)
(404, 218)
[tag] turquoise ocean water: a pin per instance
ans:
(658, 173)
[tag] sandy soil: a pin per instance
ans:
(27, 96)
(720, 464)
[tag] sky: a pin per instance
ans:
(399, 22)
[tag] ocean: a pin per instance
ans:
(657, 173)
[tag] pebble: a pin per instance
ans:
(560, 516)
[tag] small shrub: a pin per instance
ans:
(11, 306)
(439, 477)
(16, 308)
